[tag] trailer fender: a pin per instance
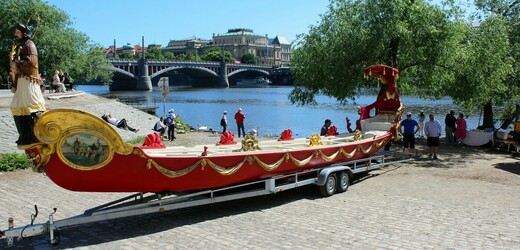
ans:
(324, 173)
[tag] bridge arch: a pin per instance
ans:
(125, 73)
(160, 72)
(238, 71)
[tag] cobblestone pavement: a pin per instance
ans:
(399, 207)
(469, 199)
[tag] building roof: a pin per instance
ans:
(239, 32)
(281, 40)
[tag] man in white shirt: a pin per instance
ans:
(432, 129)
(118, 123)
(159, 126)
(223, 122)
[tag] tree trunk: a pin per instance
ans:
(512, 118)
(488, 117)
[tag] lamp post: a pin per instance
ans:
(165, 88)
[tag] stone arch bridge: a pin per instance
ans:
(142, 74)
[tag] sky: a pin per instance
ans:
(160, 21)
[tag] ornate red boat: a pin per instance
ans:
(81, 152)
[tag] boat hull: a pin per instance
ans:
(140, 173)
(113, 166)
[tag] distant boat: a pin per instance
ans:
(253, 82)
(148, 109)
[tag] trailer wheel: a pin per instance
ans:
(343, 182)
(329, 187)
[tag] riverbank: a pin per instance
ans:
(96, 105)
(469, 199)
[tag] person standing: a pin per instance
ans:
(239, 117)
(460, 132)
(223, 122)
(28, 102)
(170, 122)
(449, 121)
(410, 130)
(432, 129)
(421, 119)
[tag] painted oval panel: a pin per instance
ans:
(85, 150)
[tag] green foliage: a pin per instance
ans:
(193, 57)
(437, 52)
(169, 56)
(412, 36)
(11, 162)
(137, 141)
(59, 46)
(154, 53)
(249, 58)
(215, 55)
(180, 124)
(482, 67)
(128, 55)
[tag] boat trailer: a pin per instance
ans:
(330, 179)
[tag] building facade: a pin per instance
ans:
(271, 51)
(275, 51)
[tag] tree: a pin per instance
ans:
(215, 55)
(154, 53)
(128, 55)
(410, 35)
(59, 46)
(438, 51)
(169, 56)
(192, 57)
(249, 58)
(487, 66)
(482, 69)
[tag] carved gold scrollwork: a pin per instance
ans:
(329, 158)
(249, 143)
(39, 154)
(226, 171)
(54, 128)
(172, 173)
(348, 155)
(358, 135)
(300, 163)
(315, 140)
(269, 167)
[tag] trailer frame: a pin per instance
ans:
(331, 179)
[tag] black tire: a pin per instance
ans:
(329, 187)
(343, 182)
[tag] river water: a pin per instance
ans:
(267, 110)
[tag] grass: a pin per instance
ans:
(13, 161)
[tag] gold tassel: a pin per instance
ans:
(370, 73)
(384, 71)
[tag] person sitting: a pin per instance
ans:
(68, 82)
(160, 127)
(118, 123)
(56, 82)
(325, 127)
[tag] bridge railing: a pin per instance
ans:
(154, 61)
